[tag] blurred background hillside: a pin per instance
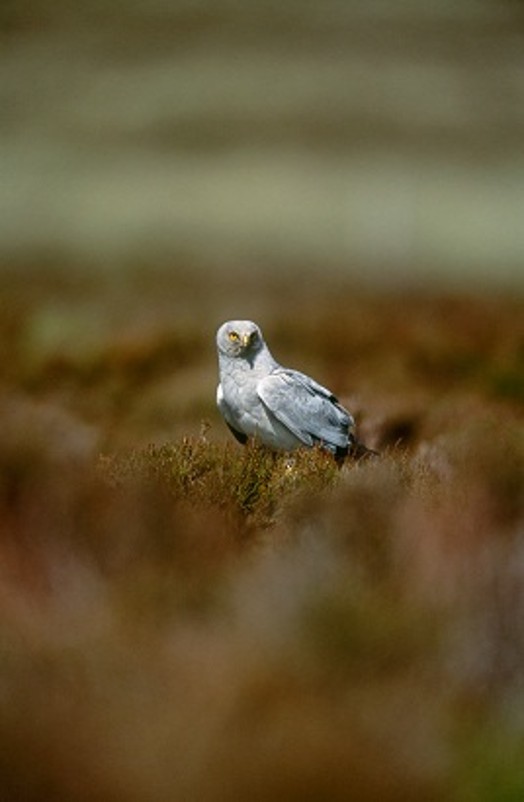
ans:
(343, 137)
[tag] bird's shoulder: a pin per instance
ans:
(282, 379)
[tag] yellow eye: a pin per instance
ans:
(233, 336)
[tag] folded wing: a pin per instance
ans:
(311, 412)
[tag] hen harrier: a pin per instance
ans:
(282, 408)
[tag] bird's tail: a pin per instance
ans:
(357, 450)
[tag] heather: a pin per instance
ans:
(183, 618)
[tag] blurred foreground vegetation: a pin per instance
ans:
(184, 619)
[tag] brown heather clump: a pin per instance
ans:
(191, 620)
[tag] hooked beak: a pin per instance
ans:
(246, 339)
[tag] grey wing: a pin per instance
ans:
(306, 408)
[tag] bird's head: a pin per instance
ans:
(239, 338)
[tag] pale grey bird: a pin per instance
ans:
(282, 408)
